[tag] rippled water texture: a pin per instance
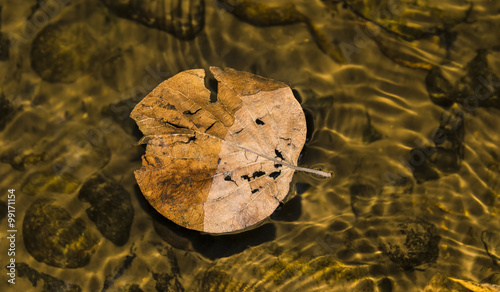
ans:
(402, 100)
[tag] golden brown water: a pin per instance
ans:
(402, 101)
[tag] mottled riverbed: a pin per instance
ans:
(403, 104)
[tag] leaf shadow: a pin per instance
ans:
(210, 246)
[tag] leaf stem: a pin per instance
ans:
(298, 168)
(146, 139)
(310, 170)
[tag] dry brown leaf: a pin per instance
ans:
(219, 166)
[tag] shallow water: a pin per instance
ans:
(402, 101)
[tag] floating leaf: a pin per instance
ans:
(224, 165)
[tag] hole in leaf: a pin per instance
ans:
(278, 154)
(254, 191)
(258, 174)
(259, 122)
(176, 126)
(288, 141)
(210, 127)
(169, 106)
(277, 165)
(245, 177)
(212, 85)
(275, 174)
(189, 113)
(213, 97)
(228, 178)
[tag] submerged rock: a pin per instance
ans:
(440, 90)
(407, 20)
(110, 207)
(133, 288)
(479, 87)
(183, 19)
(415, 245)
(61, 52)
(447, 154)
(118, 273)
(412, 20)
(49, 283)
(53, 237)
(263, 13)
